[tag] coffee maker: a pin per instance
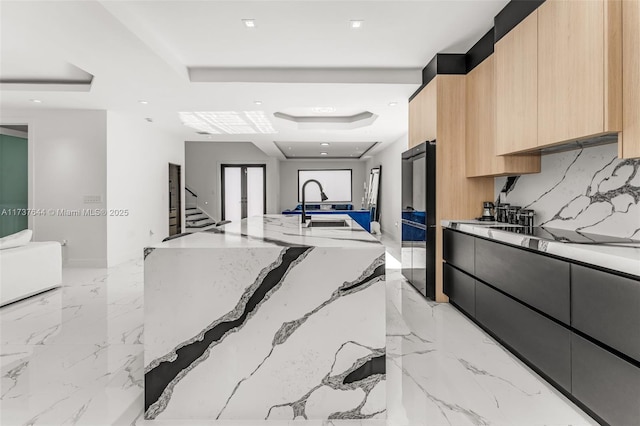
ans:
(488, 214)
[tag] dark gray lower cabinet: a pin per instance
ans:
(544, 343)
(593, 295)
(516, 294)
(537, 280)
(460, 288)
(606, 384)
(458, 250)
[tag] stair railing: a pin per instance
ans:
(191, 196)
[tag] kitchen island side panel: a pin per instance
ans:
(265, 333)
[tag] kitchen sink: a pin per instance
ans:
(328, 224)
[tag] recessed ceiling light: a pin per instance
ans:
(143, 102)
(324, 153)
(249, 23)
(356, 23)
(257, 102)
(323, 110)
(289, 147)
(36, 101)
(324, 144)
(392, 104)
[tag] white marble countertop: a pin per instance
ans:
(274, 231)
(623, 258)
(252, 321)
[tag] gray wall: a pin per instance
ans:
(67, 160)
(202, 171)
(289, 179)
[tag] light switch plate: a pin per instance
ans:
(92, 199)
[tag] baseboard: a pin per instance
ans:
(133, 255)
(86, 263)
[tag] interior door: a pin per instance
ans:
(175, 200)
(244, 191)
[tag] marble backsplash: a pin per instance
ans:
(589, 190)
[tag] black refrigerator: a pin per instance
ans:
(418, 217)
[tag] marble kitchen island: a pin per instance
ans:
(266, 319)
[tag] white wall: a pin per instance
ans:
(390, 187)
(67, 160)
(203, 160)
(138, 157)
(289, 179)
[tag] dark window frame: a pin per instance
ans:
(243, 185)
(328, 170)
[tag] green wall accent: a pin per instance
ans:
(13, 183)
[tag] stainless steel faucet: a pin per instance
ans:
(323, 196)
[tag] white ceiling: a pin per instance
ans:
(145, 50)
(310, 149)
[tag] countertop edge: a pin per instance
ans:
(610, 258)
(274, 230)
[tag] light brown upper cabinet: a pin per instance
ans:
(480, 152)
(517, 88)
(422, 115)
(579, 69)
(629, 145)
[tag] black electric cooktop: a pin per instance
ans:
(565, 236)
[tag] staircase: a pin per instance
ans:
(196, 220)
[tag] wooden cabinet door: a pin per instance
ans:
(630, 142)
(480, 155)
(422, 115)
(481, 146)
(577, 69)
(517, 88)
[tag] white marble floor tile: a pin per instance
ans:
(68, 356)
(75, 356)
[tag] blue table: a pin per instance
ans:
(363, 217)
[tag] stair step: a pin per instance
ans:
(196, 217)
(191, 212)
(201, 224)
(203, 229)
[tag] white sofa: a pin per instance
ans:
(29, 269)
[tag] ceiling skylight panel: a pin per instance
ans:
(260, 121)
(191, 119)
(229, 122)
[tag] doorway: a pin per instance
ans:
(175, 200)
(244, 190)
(14, 179)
